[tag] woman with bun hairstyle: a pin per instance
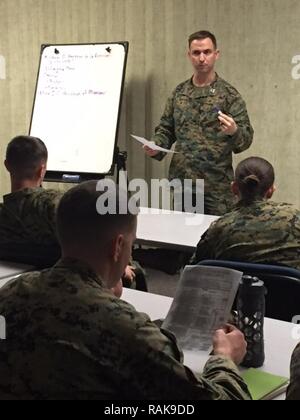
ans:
(258, 229)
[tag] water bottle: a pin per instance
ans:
(251, 312)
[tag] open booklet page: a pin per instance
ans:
(202, 304)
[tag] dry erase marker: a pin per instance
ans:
(71, 178)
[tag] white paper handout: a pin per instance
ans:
(202, 304)
(151, 144)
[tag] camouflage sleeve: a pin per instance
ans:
(293, 391)
(242, 139)
(157, 370)
(165, 132)
(205, 248)
(226, 378)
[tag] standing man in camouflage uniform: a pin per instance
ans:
(258, 229)
(27, 214)
(69, 337)
(208, 120)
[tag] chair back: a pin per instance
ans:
(282, 283)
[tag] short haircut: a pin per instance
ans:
(203, 35)
(254, 176)
(78, 220)
(24, 156)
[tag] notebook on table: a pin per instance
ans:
(264, 385)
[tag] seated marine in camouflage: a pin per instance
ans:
(69, 337)
(27, 214)
(293, 391)
(258, 229)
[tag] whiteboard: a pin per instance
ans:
(76, 107)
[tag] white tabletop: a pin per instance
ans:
(10, 269)
(279, 341)
(171, 229)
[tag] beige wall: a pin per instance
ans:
(257, 38)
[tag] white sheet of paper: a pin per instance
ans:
(151, 144)
(202, 304)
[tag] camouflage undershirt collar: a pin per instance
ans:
(72, 264)
(257, 202)
(25, 191)
(202, 92)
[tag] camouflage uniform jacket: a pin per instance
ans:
(27, 223)
(293, 391)
(191, 120)
(68, 337)
(262, 232)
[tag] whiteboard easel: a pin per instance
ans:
(77, 107)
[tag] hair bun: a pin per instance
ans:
(251, 180)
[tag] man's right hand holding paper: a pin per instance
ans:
(150, 152)
(230, 342)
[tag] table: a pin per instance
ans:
(171, 229)
(280, 339)
(8, 270)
